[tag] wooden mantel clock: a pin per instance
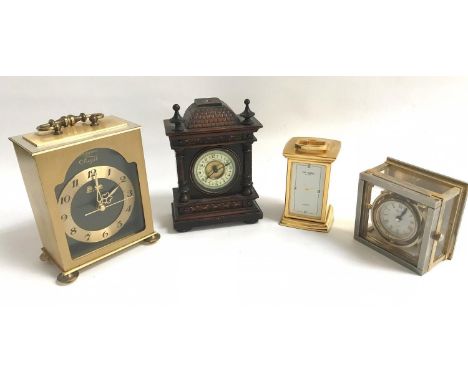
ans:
(86, 181)
(213, 148)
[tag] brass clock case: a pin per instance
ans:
(46, 159)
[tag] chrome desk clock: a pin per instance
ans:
(409, 214)
(86, 181)
(307, 182)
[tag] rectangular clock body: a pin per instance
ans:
(60, 172)
(213, 148)
(307, 183)
(409, 214)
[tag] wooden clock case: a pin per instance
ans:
(210, 124)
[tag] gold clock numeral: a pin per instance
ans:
(65, 199)
(88, 179)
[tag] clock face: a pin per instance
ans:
(396, 219)
(215, 170)
(306, 189)
(96, 203)
(99, 201)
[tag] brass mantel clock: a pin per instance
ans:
(409, 214)
(213, 149)
(87, 187)
(307, 182)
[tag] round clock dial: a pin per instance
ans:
(396, 219)
(214, 170)
(96, 203)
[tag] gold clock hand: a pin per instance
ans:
(98, 193)
(105, 207)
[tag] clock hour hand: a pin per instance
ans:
(98, 193)
(222, 166)
(401, 215)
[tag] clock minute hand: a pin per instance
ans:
(402, 214)
(110, 205)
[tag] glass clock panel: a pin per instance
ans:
(99, 201)
(306, 189)
(395, 223)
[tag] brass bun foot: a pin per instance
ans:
(44, 256)
(153, 238)
(67, 278)
(310, 225)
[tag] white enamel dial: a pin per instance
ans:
(307, 186)
(396, 219)
(214, 170)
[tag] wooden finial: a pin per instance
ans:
(177, 118)
(247, 113)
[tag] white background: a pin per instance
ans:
(241, 302)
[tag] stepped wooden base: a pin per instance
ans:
(217, 210)
(318, 226)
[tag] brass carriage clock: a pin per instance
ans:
(307, 182)
(213, 149)
(86, 181)
(409, 214)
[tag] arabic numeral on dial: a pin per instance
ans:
(73, 231)
(123, 179)
(92, 173)
(105, 234)
(129, 208)
(75, 183)
(64, 217)
(108, 171)
(65, 199)
(88, 236)
(119, 224)
(129, 193)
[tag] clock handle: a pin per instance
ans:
(311, 145)
(56, 126)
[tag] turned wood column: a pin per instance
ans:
(247, 178)
(183, 186)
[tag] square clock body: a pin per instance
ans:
(88, 190)
(409, 214)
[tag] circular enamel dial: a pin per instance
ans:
(214, 170)
(396, 219)
(96, 203)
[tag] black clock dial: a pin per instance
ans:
(100, 201)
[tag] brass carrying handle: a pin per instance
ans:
(311, 145)
(57, 125)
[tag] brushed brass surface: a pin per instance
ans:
(43, 167)
(316, 151)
